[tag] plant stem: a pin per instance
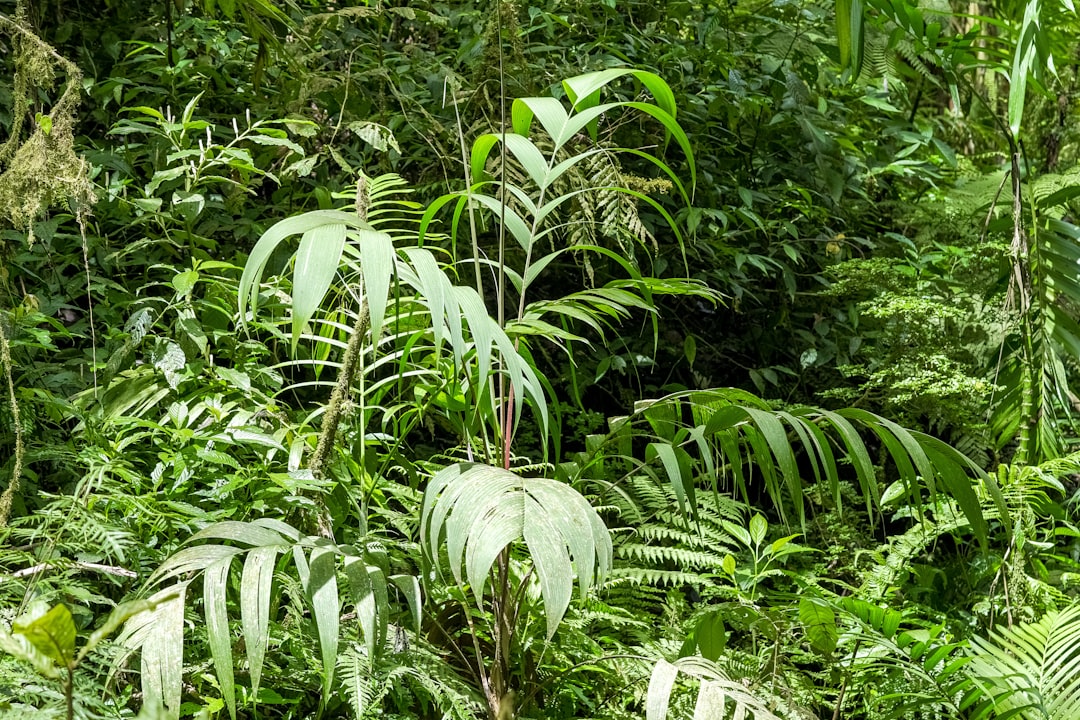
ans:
(334, 410)
(844, 684)
(69, 693)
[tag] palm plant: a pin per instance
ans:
(722, 437)
(1032, 670)
(410, 313)
(159, 634)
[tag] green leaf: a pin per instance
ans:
(1023, 58)
(377, 264)
(711, 636)
(317, 262)
(218, 634)
(677, 467)
(739, 533)
(367, 599)
(267, 136)
(758, 527)
(325, 609)
(20, 648)
(819, 623)
(248, 292)
(409, 586)
(549, 111)
(53, 634)
(255, 584)
(163, 652)
(849, 35)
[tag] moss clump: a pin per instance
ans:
(40, 168)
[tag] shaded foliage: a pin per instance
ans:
(552, 359)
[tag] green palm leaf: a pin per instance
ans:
(1032, 670)
(479, 510)
(728, 436)
(159, 634)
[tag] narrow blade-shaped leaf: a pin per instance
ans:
(163, 655)
(219, 637)
(325, 608)
(248, 291)
(377, 260)
(316, 265)
(255, 585)
(547, 548)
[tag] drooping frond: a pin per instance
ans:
(727, 438)
(260, 543)
(718, 695)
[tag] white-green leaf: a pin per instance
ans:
(325, 609)
(1032, 668)
(718, 696)
(377, 264)
(163, 654)
(219, 637)
(479, 510)
(661, 683)
(255, 583)
(248, 291)
(316, 265)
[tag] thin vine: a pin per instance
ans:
(20, 449)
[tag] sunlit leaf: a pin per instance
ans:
(478, 511)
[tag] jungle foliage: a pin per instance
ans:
(549, 359)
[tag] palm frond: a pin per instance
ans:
(726, 437)
(479, 510)
(718, 695)
(1032, 670)
(261, 543)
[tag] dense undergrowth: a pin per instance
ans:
(546, 360)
